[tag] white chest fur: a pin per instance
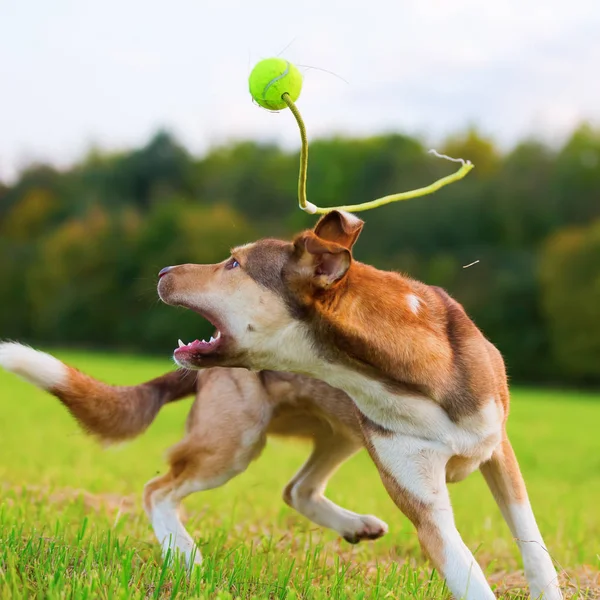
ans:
(420, 417)
(414, 416)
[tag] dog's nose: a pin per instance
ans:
(164, 271)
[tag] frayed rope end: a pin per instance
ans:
(462, 161)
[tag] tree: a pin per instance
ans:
(571, 299)
(73, 285)
(31, 217)
(577, 177)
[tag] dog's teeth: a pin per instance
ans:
(212, 339)
(181, 344)
(218, 335)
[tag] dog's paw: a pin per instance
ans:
(368, 528)
(182, 551)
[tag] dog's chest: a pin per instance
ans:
(420, 417)
(291, 349)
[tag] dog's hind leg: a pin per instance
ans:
(226, 431)
(504, 478)
(162, 497)
(194, 468)
(305, 492)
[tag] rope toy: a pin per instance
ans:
(276, 83)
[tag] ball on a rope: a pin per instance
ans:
(270, 79)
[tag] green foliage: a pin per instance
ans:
(570, 278)
(80, 248)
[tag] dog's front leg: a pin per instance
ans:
(414, 473)
(305, 492)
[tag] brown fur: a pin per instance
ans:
(233, 412)
(452, 364)
(115, 413)
(427, 395)
(407, 354)
(419, 514)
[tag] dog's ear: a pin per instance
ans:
(324, 263)
(339, 227)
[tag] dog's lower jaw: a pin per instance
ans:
(228, 355)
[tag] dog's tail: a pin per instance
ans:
(110, 413)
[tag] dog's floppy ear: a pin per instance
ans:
(339, 227)
(323, 262)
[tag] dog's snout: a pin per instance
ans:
(164, 271)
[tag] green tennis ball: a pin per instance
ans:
(270, 79)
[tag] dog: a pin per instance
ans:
(431, 391)
(233, 413)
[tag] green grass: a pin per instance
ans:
(72, 526)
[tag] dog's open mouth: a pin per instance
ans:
(197, 352)
(198, 347)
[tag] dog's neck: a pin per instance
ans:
(372, 318)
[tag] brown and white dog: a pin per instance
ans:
(431, 390)
(233, 412)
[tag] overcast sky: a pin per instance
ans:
(110, 72)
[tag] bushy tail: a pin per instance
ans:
(111, 413)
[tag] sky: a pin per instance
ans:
(76, 74)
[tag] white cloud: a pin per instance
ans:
(73, 73)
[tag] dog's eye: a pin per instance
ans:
(232, 264)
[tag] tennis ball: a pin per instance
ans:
(270, 79)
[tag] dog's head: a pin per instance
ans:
(262, 295)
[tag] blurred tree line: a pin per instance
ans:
(80, 249)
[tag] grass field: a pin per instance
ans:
(72, 526)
